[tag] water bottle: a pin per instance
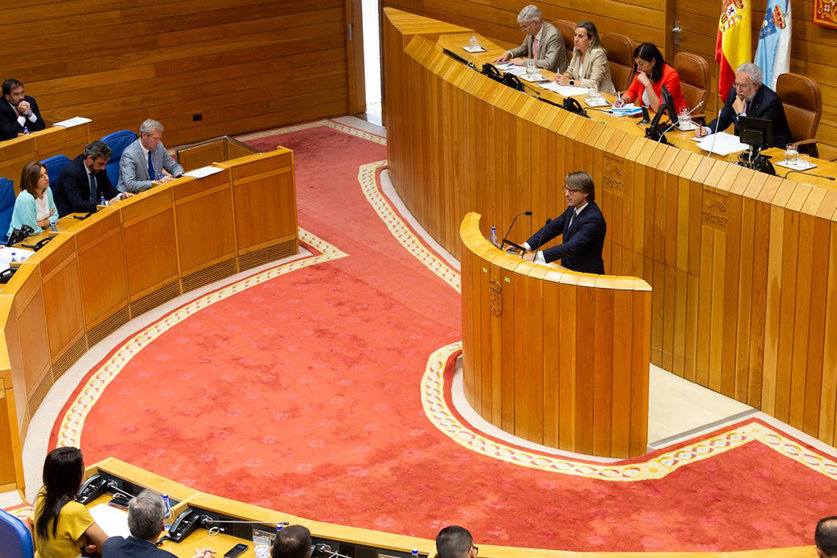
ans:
(25, 129)
(14, 256)
(167, 506)
(53, 223)
(103, 201)
(492, 236)
(414, 553)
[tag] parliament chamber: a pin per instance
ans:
(718, 274)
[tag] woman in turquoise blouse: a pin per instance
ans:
(34, 205)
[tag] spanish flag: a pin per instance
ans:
(733, 47)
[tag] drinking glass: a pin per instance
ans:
(791, 154)
(592, 92)
(531, 69)
(684, 118)
(474, 42)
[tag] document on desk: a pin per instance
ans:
(721, 143)
(565, 90)
(75, 121)
(113, 521)
(203, 171)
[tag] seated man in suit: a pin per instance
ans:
(19, 113)
(455, 542)
(145, 159)
(84, 182)
(542, 42)
(146, 515)
(750, 97)
(582, 226)
(292, 542)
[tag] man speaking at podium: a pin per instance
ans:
(582, 227)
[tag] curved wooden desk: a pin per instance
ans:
(351, 541)
(97, 274)
(743, 265)
(554, 356)
(37, 146)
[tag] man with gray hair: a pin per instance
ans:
(146, 514)
(143, 162)
(84, 182)
(750, 97)
(543, 42)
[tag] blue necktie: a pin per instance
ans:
(150, 167)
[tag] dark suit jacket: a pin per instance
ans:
(72, 190)
(9, 126)
(120, 547)
(581, 249)
(765, 104)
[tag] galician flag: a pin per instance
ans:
(773, 52)
(733, 47)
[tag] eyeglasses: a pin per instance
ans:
(742, 85)
(476, 549)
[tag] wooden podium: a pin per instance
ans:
(554, 356)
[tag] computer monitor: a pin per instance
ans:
(755, 132)
(666, 107)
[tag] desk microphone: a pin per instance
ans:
(323, 550)
(505, 236)
(540, 234)
(83, 217)
(800, 171)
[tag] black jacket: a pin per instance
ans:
(765, 104)
(9, 126)
(581, 248)
(72, 190)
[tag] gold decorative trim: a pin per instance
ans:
(656, 466)
(367, 176)
(72, 423)
(316, 124)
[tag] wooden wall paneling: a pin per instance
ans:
(585, 383)
(61, 285)
(470, 317)
(738, 364)
(828, 398)
(528, 392)
(816, 372)
(14, 154)
(62, 141)
(508, 369)
(803, 315)
(763, 190)
(168, 67)
(31, 327)
(567, 360)
(622, 346)
(552, 363)
(100, 246)
(204, 221)
(148, 230)
(14, 361)
(603, 365)
(260, 182)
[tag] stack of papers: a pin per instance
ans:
(114, 522)
(721, 143)
(74, 121)
(565, 90)
(799, 165)
(625, 110)
(473, 49)
(596, 102)
(535, 78)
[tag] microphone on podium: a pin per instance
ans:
(505, 236)
(540, 234)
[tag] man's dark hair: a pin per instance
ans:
(453, 542)
(292, 542)
(10, 84)
(825, 536)
(649, 52)
(98, 150)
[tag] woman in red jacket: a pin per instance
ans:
(651, 74)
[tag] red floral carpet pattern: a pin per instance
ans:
(303, 393)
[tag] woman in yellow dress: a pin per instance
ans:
(63, 527)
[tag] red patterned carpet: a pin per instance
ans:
(299, 390)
